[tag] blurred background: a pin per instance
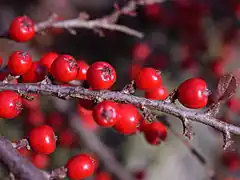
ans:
(183, 39)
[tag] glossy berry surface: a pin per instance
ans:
(11, 104)
(101, 75)
(22, 29)
(82, 71)
(48, 59)
(129, 119)
(42, 139)
(155, 132)
(64, 68)
(81, 166)
(159, 93)
(19, 62)
(193, 93)
(36, 73)
(148, 79)
(106, 113)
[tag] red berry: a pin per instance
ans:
(193, 93)
(24, 152)
(36, 73)
(41, 161)
(48, 59)
(22, 29)
(64, 68)
(67, 138)
(148, 79)
(34, 104)
(35, 118)
(155, 133)
(82, 71)
(103, 176)
(129, 119)
(159, 93)
(11, 104)
(42, 139)
(153, 11)
(19, 63)
(101, 75)
(55, 120)
(106, 113)
(234, 104)
(141, 51)
(81, 166)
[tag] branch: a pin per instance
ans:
(19, 166)
(94, 144)
(106, 22)
(81, 93)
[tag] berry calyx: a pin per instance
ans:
(82, 71)
(11, 104)
(129, 119)
(81, 166)
(193, 93)
(48, 59)
(159, 93)
(19, 63)
(42, 139)
(22, 29)
(155, 132)
(101, 75)
(64, 68)
(148, 79)
(106, 113)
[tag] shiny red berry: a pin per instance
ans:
(101, 75)
(81, 166)
(11, 104)
(148, 79)
(19, 63)
(36, 73)
(42, 139)
(82, 71)
(48, 59)
(193, 93)
(103, 176)
(129, 119)
(155, 133)
(106, 113)
(159, 93)
(41, 161)
(64, 68)
(22, 29)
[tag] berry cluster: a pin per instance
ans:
(63, 69)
